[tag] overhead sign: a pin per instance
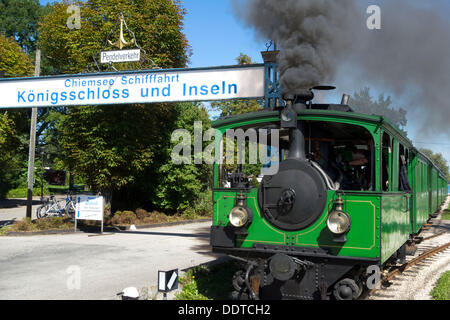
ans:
(167, 280)
(89, 208)
(202, 84)
(120, 56)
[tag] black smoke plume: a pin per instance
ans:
(325, 41)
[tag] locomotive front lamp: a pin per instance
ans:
(240, 215)
(339, 222)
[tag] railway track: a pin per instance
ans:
(414, 279)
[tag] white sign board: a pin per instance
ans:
(204, 84)
(120, 56)
(89, 208)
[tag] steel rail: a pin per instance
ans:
(406, 266)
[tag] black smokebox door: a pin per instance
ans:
(294, 198)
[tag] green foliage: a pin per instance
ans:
(200, 207)
(243, 59)
(446, 215)
(208, 283)
(235, 107)
(22, 192)
(8, 162)
(111, 147)
(19, 19)
(179, 185)
(14, 62)
(362, 102)
(14, 127)
(156, 24)
(442, 290)
(438, 160)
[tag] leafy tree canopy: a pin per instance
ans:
(362, 102)
(19, 19)
(157, 25)
(14, 62)
(438, 160)
(111, 147)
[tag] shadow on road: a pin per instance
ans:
(4, 223)
(201, 233)
(15, 203)
(170, 234)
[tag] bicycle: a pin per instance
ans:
(51, 207)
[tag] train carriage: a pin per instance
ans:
(351, 191)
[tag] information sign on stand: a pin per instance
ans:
(89, 207)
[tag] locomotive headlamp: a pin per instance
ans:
(339, 222)
(239, 216)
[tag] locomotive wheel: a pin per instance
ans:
(346, 289)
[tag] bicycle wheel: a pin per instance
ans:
(55, 210)
(70, 209)
(42, 211)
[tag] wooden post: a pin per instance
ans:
(32, 147)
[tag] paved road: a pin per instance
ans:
(54, 266)
(15, 209)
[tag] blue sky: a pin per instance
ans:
(217, 38)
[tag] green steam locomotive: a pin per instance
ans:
(349, 195)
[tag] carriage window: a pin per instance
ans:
(403, 178)
(385, 172)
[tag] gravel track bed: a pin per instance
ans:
(417, 282)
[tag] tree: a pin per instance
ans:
(14, 62)
(112, 146)
(362, 102)
(8, 163)
(157, 25)
(178, 185)
(235, 107)
(13, 137)
(438, 160)
(19, 19)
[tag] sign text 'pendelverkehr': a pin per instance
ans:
(147, 86)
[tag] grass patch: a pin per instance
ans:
(208, 283)
(446, 215)
(22, 192)
(44, 224)
(442, 289)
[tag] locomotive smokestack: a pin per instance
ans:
(294, 105)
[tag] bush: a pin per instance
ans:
(124, 218)
(27, 225)
(202, 206)
(24, 225)
(52, 223)
(142, 214)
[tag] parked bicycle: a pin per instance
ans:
(52, 207)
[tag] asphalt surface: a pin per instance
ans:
(15, 209)
(83, 266)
